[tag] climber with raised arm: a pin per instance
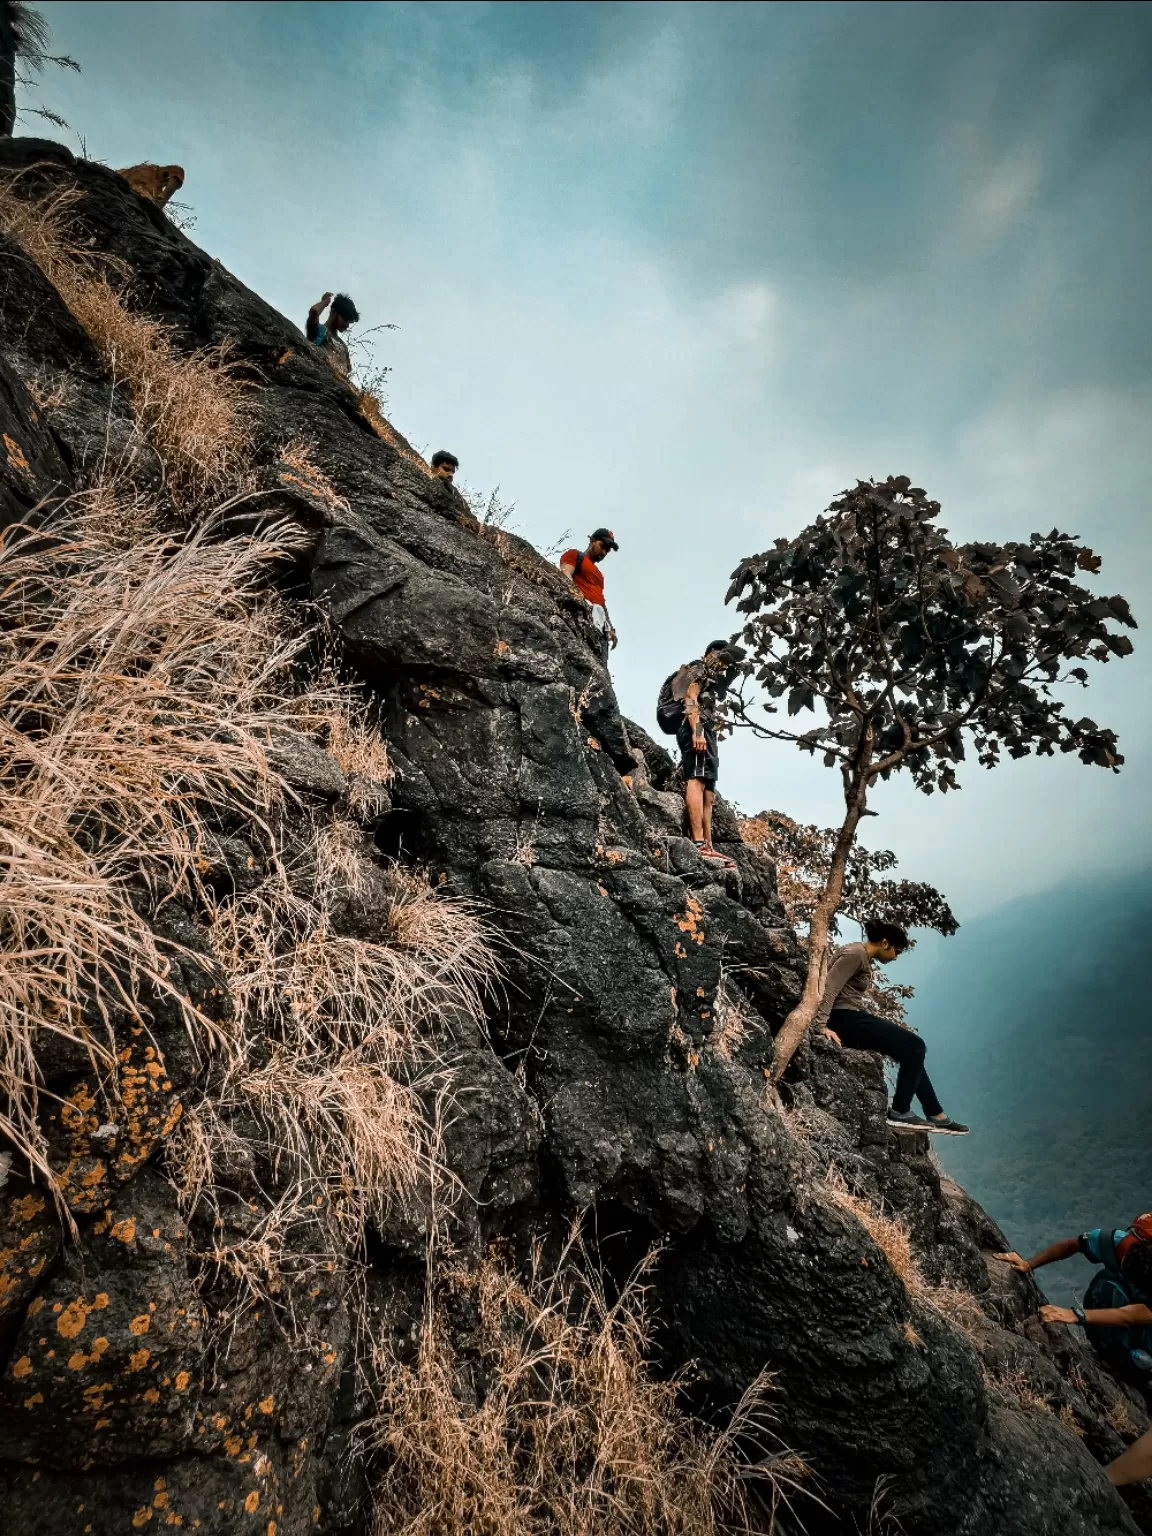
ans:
(689, 707)
(845, 1020)
(341, 314)
(1117, 1312)
(583, 567)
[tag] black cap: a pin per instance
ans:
(732, 654)
(605, 536)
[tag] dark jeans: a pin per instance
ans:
(861, 1031)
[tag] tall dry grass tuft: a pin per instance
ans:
(895, 1243)
(188, 405)
(545, 1421)
(334, 1047)
(136, 684)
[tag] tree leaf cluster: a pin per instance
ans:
(803, 855)
(912, 647)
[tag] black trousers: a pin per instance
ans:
(861, 1031)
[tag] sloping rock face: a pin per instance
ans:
(624, 1079)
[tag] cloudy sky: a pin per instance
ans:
(688, 270)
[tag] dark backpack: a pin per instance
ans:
(669, 711)
(1127, 1350)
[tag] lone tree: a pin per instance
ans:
(24, 41)
(908, 647)
(803, 857)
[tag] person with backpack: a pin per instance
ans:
(846, 1021)
(688, 708)
(1116, 1315)
(583, 566)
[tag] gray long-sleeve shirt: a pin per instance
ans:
(849, 977)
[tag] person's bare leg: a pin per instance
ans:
(1134, 1465)
(707, 817)
(694, 800)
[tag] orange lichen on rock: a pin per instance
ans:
(692, 922)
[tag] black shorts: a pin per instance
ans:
(698, 765)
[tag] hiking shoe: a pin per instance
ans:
(709, 853)
(905, 1120)
(714, 852)
(947, 1126)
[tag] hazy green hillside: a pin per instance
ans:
(1039, 1027)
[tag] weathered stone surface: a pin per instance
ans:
(631, 1033)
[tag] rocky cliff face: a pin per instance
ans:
(620, 1080)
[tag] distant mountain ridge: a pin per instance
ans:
(1039, 1023)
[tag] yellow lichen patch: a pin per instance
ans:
(140, 1324)
(99, 1301)
(252, 1502)
(182, 1380)
(151, 1396)
(34, 1401)
(125, 1231)
(265, 1404)
(692, 922)
(27, 1207)
(72, 1319)
(35, 1305)
(160, 1500)
(142, 1516)
(233, 1445)
(138, 1359)
(16, 459)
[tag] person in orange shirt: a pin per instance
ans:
(584, 569)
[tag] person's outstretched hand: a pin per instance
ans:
(830, 1034)
(325, 301)
(1051, 1314)
(1017, 1263)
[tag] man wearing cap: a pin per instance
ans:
(584, 569)
(698, 687)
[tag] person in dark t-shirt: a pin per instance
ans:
(341, 314)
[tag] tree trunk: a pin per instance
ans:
(7, 69)
(795, 1026)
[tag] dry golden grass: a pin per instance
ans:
(552, 1425)
(733, 1016)
(373, 413)
(892, 1238)
(188, 405)
(334, 1048)
(135, 684)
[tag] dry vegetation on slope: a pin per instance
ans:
(545, 1420)
(143, 680)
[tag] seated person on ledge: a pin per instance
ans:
(844, 1020)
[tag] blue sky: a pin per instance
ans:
(688, 270)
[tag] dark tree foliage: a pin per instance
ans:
(24, 40)
(908, 649)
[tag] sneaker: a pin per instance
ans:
(714, 853)
(706, 851)
(946, 1126)
(905, 1120)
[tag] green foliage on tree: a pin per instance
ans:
(908, 650)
